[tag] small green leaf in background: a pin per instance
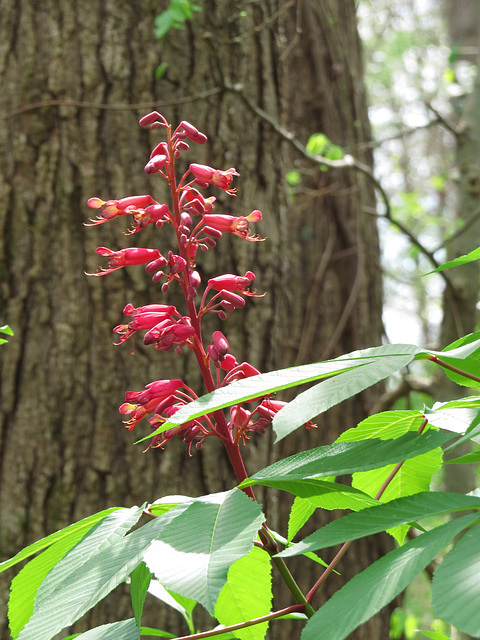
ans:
(7, 331)
(293, 177)
(247, 594)
(456, 586)
(139, 581)
(178, 12)
(370, 590)
(469, 257)
(195, 551)
(317, 143)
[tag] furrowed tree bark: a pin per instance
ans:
(76, 77)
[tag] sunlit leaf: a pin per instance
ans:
(196, 551)
(24, 586)
(347, 457)
(381, 517)
(456, 587)
(369, 591)
(247, 594)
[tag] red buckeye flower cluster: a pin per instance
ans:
(196, 227)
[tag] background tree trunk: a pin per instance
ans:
(76, 77)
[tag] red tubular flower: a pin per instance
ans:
(207, 175)
(113, 208)
(125, 258)
(155, 213)
(269, 408)
(231, 224)
(192, 132)
(231, 282)
(144, 318)
(138, 404)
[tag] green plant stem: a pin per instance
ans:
(294, 608)
(346, 545)
(269, 544)
(450, 367)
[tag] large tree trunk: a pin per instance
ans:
(72, 77)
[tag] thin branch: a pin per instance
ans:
(121, 106)
(443, 120)
(347, 162)
(294, 608)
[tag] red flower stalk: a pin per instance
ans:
(195, 226)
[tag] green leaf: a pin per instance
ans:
(7, 330)
(468, 458)
(82, 525)
(413, 476)
(247, 594)
(381, 517)
(327, 394)
(317, 144)
(456, 587)
(315, 490)
(299, 514)
(124, 630)
(385, 425)
(334, 152)
(197, 549)
(24, 586)
(464, 354)
(184, 606)
(140, 579)
(156, 633)
(347, 457)
(369, 591)
(88, 583)
(163, 23)
(469, 257)
(267, 383)
(293, 177)
(434, 635)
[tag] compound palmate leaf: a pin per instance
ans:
(369, 591)
(194, 552)
(24, 586)
(247, 594)
(88, 583)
